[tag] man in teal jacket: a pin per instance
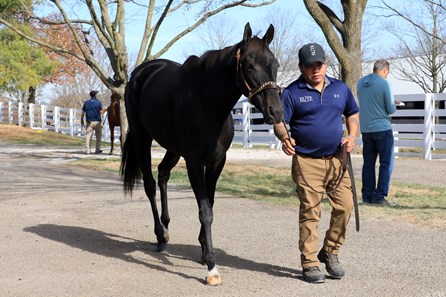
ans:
(377, 103)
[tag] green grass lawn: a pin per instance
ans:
(414, 203)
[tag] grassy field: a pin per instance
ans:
(22, 135)
(415, 203)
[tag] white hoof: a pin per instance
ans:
(213, 278)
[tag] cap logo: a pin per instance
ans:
(312, 50)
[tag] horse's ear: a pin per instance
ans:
(269, 35)
(247, 34)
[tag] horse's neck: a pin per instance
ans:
(113, 113)
(222, 90)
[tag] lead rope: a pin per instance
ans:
(346, 164)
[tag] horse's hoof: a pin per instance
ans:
(165, 233)
(110, 153)
(213, 278)
(161, 247)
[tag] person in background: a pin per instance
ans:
(92, 108)
(314, 106)
(377, 103)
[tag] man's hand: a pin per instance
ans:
(350, 140)
(288, 146)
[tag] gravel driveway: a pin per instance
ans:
(67, 231)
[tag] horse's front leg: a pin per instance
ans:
(213, 171)
(112, 137)
(195, 172)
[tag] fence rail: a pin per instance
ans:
(419, 126)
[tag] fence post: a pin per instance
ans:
(106, 133)
(396, 149)
(56, 112)
(427, 130)
(71, 121)
(43, 115)
(31, 115)
(20, 114)
(10, 116)
(435, 120)
(245, 123)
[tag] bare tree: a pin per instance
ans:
(343, 35)
(106, 20)
(422, 46)
(217, 33)
(286, 43)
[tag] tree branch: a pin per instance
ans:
(325, 24)
(189, 29)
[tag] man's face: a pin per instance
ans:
(314, 74)
(385, 73)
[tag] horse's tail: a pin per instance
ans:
(129, 171)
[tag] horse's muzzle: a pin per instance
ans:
(273, 114)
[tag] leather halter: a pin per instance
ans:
(253, 91)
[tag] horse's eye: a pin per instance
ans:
(251, 67)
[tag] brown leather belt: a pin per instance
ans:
(327, 157)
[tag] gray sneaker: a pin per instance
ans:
(332, 264)
(313, 275)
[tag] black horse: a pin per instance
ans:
(187, 110)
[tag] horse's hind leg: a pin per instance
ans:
(164, 168)
(145, 158)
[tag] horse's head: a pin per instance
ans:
(257, 73)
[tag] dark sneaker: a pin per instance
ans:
(313, 275)
(98, 152)
(332, 264)
(385, 203)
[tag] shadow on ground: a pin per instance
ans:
(120, 247)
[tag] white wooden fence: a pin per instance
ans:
(50, 118)
(421, 130)
(417, 133)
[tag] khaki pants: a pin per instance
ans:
(97, 128)
(322, 175)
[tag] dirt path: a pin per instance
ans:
(67, 231)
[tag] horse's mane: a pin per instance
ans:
(211, 58)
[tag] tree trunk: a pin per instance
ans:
(347, 47)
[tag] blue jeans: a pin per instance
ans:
(377, 144)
